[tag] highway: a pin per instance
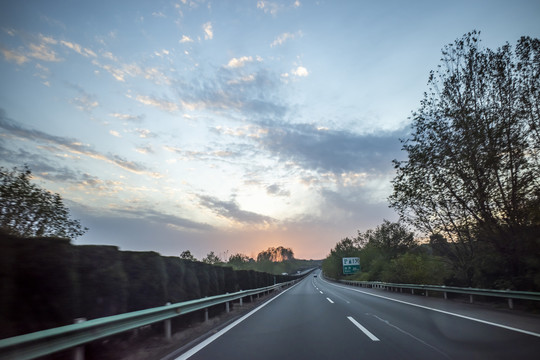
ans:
(316, 319)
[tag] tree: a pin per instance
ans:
(275, 254)
(186, 255)
(333, 265)
(391, 239)
(473, 165)
(27, 210)
(212, 259)
(238, 260)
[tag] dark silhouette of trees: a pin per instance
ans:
(28, 210)
(212, 259)
(473, 168)
(186, 255)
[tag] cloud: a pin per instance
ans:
(224, 90)
(281, 39)
(208, 32)
(144, 149)
(43, 52)
(239, 62)
(145, 133)
(185, 39)
(79, 49)
(14, 56)
(85, 102)
(164, 105)
(158, 14)
(60, 144)
(115, 133)
(327, 150)
(276, 190)
(270, 7)
(300, 71)
(128, 117)
(231, 210)
(206, 155)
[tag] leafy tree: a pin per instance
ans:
(186, 255)
(27, 210)
(391, 239)
(276, 254)
(333, 265)
(473, 167)
(212, 259)
(412, 268)
(239, 260)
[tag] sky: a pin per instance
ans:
(225, 126)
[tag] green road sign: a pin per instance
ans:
(351, 265)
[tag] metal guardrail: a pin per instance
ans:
(40, 343)
(508, 294)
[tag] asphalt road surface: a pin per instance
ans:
(316, 319)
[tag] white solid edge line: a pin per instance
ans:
(211, 339)
(441, 311)
(331, 302)
(364, 330)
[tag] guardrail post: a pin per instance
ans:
(471, 299)
(241, 302)
(427, 293)
(511, 303)
(206, 315)
(412, 291)
(167, 324)
(78, 352)
(445, 295)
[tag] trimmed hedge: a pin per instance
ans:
(48, 282)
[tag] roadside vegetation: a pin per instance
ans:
(470, 183)
(274, 260)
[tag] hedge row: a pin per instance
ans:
(48, 282)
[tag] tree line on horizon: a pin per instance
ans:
(274, 260)
(471, 182)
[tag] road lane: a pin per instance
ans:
(319, 320)
(450, 335)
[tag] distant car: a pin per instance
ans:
(315, 275)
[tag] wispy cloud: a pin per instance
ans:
(231, 211)
(208, 31)
(283, 38)
(127, 117)
(224, 91)
(145, 133)
(162, 104)
(270, 7)
(85, 102)
(158, 14)
(14, 56)
(185, 39)
(78, 49)
(60, 144)
(42, 52)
